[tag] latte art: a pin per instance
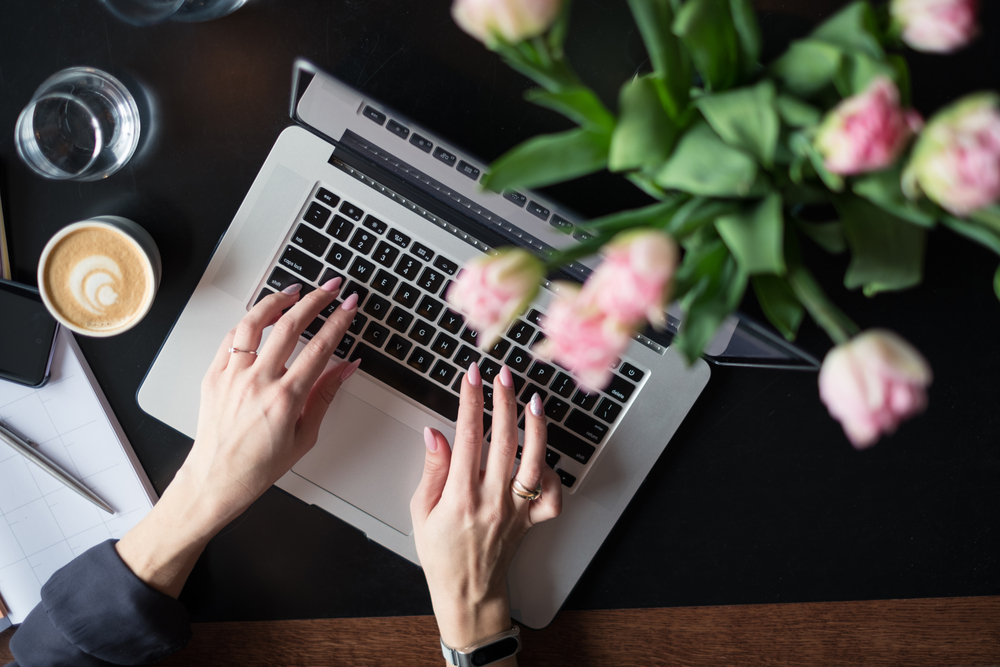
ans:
(92, 283)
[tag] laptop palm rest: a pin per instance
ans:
(368, 459)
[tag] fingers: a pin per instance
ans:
(533, 454)
(468, 431)
(320, 397)
(222, 354)
(503, 441)
(286, 332)
(437, 463)
(549, 504)
(306, 369)
(249, 331)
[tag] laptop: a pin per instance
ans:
(354, 189)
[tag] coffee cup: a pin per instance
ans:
(98, 277)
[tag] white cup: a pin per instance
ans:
(146, 251)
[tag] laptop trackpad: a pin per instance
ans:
(368, 459)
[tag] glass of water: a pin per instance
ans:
(82, 124)
(149, 12)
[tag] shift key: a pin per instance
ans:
(569, 444)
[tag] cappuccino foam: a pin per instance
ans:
(97, 279)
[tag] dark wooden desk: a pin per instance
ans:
(932, 632)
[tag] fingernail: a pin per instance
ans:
(351, 302)
(473, 375)
(331, 284)
(505, 377)
(292, 289)
(536, 405)
(349, 371)
(430, 440)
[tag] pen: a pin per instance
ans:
(48, 465)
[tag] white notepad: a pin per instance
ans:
(43, 524)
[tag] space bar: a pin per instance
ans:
(402, 379)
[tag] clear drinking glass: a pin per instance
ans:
(82, 124)
(149, 12)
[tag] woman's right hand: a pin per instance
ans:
(468, 523)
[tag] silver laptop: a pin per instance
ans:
(356, 190)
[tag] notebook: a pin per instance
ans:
(44, 524)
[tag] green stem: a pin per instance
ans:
(837, 325)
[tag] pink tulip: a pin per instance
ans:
(582, 338)
(512, 21)
(956, 162)
(873, 383)
(492, 290)
(936, 26)
(867, 132)
(633, 282)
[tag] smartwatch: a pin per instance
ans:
(486, 652)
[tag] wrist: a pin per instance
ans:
(463, 625)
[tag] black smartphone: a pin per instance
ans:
(27, 335)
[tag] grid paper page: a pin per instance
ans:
(43, 524)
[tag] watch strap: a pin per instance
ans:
(490, 650)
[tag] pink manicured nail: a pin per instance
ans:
(292, 289)
(331, 284)
(505, 377)
(536, 405)
(473, 375)
(430, 440)
(351, 302)
(349, 371)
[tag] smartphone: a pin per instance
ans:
(27, 335)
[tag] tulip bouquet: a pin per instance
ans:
(738, 156)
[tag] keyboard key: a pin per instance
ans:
(487, 398)
(407, 295)
(422, 251)
(263, 292)
(301, 263)
(399, 238)
(537, 210)
(451, 321)
(585, 400)
(457, 384)
(317, 215)
(444, 292)
(362, 269)
(397, 129)
(398, 347)
(420, 359)
(357, 324)
(569, 444)
(280, 279)
(561, 223)
(631, 372)
(467, 169)
(499, 349)
(422, 332)
(489, 370)
(563, 385)
(470, 336)
(551, 458)
(430, 280)
(537, 340)
(329, 310)
(534, 317)
(445, 156)
(518, 383)
(446, 265)
(384, 282)
(408, 267)
(376, 334)
(541, 373)
(567, 479)
(532, 389)
(445, 345)
(345, 346)
(362, 241)
(607, 410)
(340, 228)
(466, 356)
(405, 381)
(429, 308)
(377, 306)
(312, 329)
(351, 211)
(518, 360)
(581, 235)
(443, 372)
(376, 225)
(327, 197)
(374, 114)
(352, 288)
(587, 426)
(620, 389)
(339, 256)
(514, 196)
(311, 240)
(422, 143)
(556, 409)
(399, 319)
(520, 332)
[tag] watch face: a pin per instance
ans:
(496, 651)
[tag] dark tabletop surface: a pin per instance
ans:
(759, 497)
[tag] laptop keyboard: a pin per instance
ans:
(408, 338)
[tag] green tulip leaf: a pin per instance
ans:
(706, 28)
(827, 235)
(853, 29)
(697, 212)
(755, 236)
(804, 147)
(548, 159)
(858, 71)
(645, 134)
(748, 33)
(996, 283)
(670, 61)
(579, 104)
(882, 188)
(807, 67)
(887, 253)
(796, 113)
(779, 304)
(656, 215)
(745, 118)
(703, 164)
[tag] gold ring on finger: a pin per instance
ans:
(523, 492)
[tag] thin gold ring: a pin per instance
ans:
(522, 492)
(236, 349)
